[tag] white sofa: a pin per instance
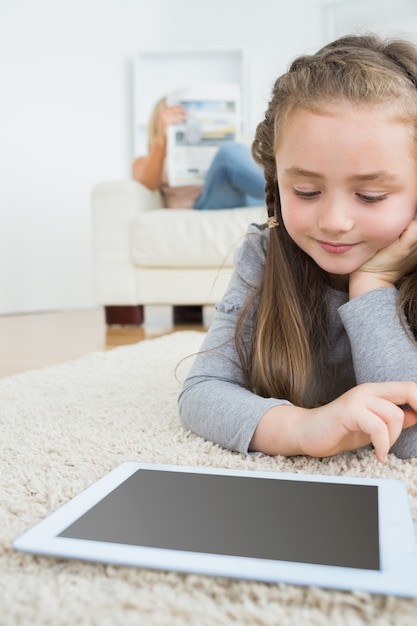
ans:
(144, 254)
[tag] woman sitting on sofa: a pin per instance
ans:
(233, 180)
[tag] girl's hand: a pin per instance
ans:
(368, 413)
(388, 265)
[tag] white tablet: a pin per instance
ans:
(336, 532)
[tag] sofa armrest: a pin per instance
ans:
(114, 207)
(123, 193)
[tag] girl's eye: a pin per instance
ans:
(306, 194)
(372, 198)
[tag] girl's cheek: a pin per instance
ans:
(291, 215)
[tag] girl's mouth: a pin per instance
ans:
(336, 248)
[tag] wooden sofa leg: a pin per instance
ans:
(124, 315)
(186, 314)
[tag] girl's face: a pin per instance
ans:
(347, 181)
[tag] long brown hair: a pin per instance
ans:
(288, 314)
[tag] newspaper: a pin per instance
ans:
(212, 117)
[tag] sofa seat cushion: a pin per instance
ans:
(190, 238)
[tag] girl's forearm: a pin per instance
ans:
(278, 431)
(363, 282)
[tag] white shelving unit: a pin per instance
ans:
(158, 72)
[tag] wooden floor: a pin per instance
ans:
(36, 340)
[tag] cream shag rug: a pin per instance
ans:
(63, 427)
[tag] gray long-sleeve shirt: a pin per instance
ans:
(367, 344)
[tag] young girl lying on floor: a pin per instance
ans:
(312, 350)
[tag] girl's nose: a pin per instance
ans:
(335, 217)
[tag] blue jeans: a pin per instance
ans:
(233, 180)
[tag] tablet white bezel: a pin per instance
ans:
(398, 544)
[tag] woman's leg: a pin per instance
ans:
(233, 180)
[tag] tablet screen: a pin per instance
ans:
(321, 523)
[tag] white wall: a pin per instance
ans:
(64, 116)
(65, 111)
(396, 18)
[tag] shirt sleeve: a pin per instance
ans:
(213, 402)
(383, 348)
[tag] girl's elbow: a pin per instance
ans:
(182, 411)
(188, 411)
